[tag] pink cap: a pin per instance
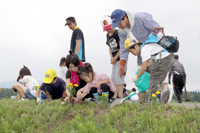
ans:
(106, 23)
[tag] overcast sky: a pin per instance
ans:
(32, 33)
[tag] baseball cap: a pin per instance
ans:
(69, 20)
(106, 23)
(116, 17)
(130, 42)
(49, 76)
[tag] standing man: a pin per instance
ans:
(179, 78)
(77, 41)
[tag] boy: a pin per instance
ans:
(53, 86)
(134, 98)
(163, 61)
(114, 51)
(77, 39)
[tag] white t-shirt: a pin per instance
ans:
(134, 97)
(151, 49)
(62, 72)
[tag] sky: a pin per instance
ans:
(32, 33)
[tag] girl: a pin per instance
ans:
(72, 64)
(27, 84)
(96, 82)
(62, 69)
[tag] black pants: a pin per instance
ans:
(178, 84)
(104, 88)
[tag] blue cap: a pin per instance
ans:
(116, 17)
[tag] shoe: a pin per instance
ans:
(111, 100)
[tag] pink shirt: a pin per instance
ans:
(97, 78)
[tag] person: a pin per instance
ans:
(179, 78)
(114, 51)
(77, 40)
(134, 98)
(130, 24)
(72, 63)
(163, 61)
(53, 86)
(26, 84)
(125, 92)
(62, 69)
(97, 83)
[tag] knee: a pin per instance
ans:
(105, 87)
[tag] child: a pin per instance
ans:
(72, 63)
(134, 97)
(96, 82)
(163, 61)
(114, 51)
(53, 87)
(26, 84)
(62, 69)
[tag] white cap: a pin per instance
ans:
(106, 23)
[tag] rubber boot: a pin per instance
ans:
(142, 96)
(179, 98)
(96, 97)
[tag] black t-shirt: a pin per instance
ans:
(124, 90)
(113, 43)
(78, 34)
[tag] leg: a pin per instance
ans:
(20, 89)
(106, 88)
(142, 96)
(116, 92)
(114, 80)
(48, 91)
(120, 94)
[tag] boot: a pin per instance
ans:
(96, 96)
(179, 98)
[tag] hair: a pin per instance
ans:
(24, 71)
(85, 70)
(125, 16)
(62, 60)
(134, 90)
(72, 59)
(72, 19)
(18, 78)
(124, 84)
(176, 56)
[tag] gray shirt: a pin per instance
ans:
(177, 68)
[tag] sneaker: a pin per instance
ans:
(111, 100)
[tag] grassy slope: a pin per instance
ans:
(27, 116)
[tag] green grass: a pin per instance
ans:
(88, 117)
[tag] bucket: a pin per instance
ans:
(143, 82)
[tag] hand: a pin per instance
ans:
(38, 100)
(169, 82)
(138, 67)
(121, 70)
(98, 85)
(77, 99)
(67, 99)
(113, 60)
(134, 78)
(79, 93)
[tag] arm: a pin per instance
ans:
(105, 81)
(67, 88)
(126, 93)
(123, 55)
(117, 55)
(78, 44)
(149, 23)
(38, 93)
(110, 52)
(143, 68)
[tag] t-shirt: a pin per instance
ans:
(78, 34)
(150, 49)
(113, 43)
(58, 82)
(134, 97)
(62, 72)
(97, 78)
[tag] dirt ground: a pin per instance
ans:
(186, 104)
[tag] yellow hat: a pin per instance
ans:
(49, 76)
(129, 42)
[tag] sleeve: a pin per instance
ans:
(117, 40)
(87, 89)
(103, 76)
(123, 55)
(148, 22)
(42, 86)
(170, 72)
(79, 34)
(145, 53)
(68, 74)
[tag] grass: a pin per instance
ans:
(88, 117)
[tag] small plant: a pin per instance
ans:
(154, 98)
(72, 89)
(103, 98)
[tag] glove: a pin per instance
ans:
(121, 70)
(138, 67)
(134, 78)
(169, 82)
(38, 100)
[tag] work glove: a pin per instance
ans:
(134, 78)
(38, 100)
(121, 70)
(169, 82)
(138, 67)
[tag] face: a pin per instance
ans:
(54, 81)
(72, 25)
(110, 31)
(64, 64)
(73, 68)
(124, 23)
(135, 51)
(88, 78)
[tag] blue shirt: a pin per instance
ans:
(59, 82)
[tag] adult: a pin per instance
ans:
(77, 40)
(139, 25)
(179, 78)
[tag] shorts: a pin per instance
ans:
(29, 95)
(115, 77)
